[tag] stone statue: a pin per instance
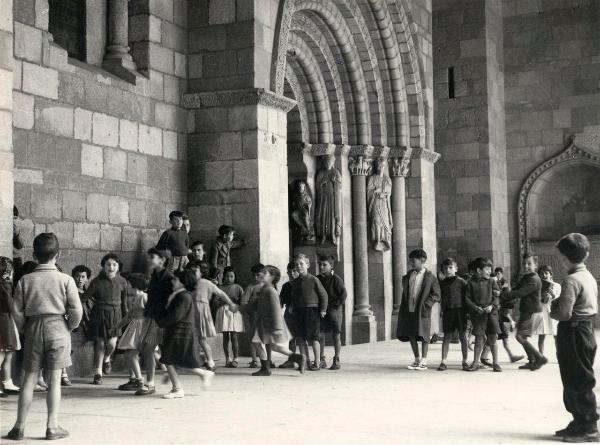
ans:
(328, 211)
(301, 214)
(379, 189)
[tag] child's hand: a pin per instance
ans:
(479, 310)
(234, 308)
(489, 309)
(323, 313)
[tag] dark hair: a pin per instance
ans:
(204, 269)
(45, 247)
(225, 230)
(418, 254)
(481, 263)
(15, 212)
(185, 216)
(327, 259)
(138, 281)
(187, 278)
(471, 266)
(6, 265)
(574, 246)
(529, 255)
(275, 273)
(175, 214)
(449, 262)
(110, 256)
(498, 270)
(164, 254)
(196, 243)
(257, 268)
(228, 269)
(81, 269)
(28, 267)
(545, 268)
(291, 266)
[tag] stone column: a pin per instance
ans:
(117, 58)
(364, 328)
(399, 166)
(6, 133)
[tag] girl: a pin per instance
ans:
(270, 327)
(9, 338)
(227, 322)
(108, 292)
(550, 291)
(131, 340)
(180, 343)
(203, 293)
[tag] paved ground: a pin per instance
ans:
(374, 399)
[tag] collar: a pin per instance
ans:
(578, 268)
(478, 278)
(45, 267)
(421, 272)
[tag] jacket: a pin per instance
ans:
(529, 290)
(429, 295)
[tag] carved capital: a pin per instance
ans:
(423, 153)
(360, 165)
(400, 161)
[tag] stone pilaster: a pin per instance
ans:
(364, 329)
(117, 58)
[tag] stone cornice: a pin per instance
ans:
(423, 153)
(318, 149)
(228, 98)
(361, 150)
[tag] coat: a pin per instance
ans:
(269, 320)
(430, 294)
(529, 291)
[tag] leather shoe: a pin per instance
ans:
(15, 434)
(56, 433)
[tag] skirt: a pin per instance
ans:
(104, 322)
(269, 339)
(228, 321)
(9, 336)
(133, 335)
(547, 325)
(151, 334)
(181, 349)
(206, 327)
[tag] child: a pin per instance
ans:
(180, 345)
(529, 291)
(285, 299)
(18, 245)
(220, 256)
(453, 311)
(250, 294)
(576, 310)
(186, 223)
(482, 298)
(550, 291)
(309, 305)
(131, 340)
(159, 289)
(270, 327)
(108, 295)
(197, 249)
(203, 293)
(45, 301)
(176, 241)
(9, 337)
(230, 323)
(332, 322)
(420, 290)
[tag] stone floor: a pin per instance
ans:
(374, 399)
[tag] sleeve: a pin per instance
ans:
(249, 307)
(469, 298)
(322, 293)
(163, 241)
(212, 257)
(124, 297)
(495, 294)
(74, 308)
(219, 294)
(340, 290)
(562, 307)
(18, 309)
(88, 296)
(176, 311)
(525, 287)
(17, 241)
(434, 292)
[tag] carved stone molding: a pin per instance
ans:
(400, 161)
(361, 150)
(423, 153)
(573, 153)
(360, 165)
(253, 96)
(298, 148)
(322, 149)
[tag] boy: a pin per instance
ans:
(186, 223)
(46, 309)
(176, 241)
(332, 322)
(420, 290)
(285, 298)
(529, 290)
(309, 305)
(159, 289)
(482, 298)
(220, 253)
(81, 274)
(575, 310)
(250, 294)
(197, 251)
(453, 311)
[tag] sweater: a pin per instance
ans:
(159, 289)
(578, 298)
(453, 292)
(46, 291)
(307, 291)
(529, 290)
(104, 291)
(335, 288)
(482, 292)
(176, 241)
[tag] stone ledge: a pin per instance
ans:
(253, 96)
(423, 153)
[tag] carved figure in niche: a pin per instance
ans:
(302, 203)
(379, 189)
(328, 211)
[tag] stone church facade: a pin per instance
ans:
(356, 128)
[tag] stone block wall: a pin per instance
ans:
(98, 160)
(552, 75)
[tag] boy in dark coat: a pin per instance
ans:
(176, 241)
(420, 290)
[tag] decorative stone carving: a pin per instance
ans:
(328, 186)
(423, 153)
(359, 165)
(400, 166)
(379, 190)
(301, 211)
(252, 96)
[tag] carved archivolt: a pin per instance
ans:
(571, 154)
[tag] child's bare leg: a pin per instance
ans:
(53, 397)
(479, 341)
(268, 349)
(506, 345)
(235, 346)
(485, 355)
(99, 354)
(281, 349)
(415, 347)
(207, 352)
(464, 346)
(541, 339)
(322, 345)
(315, 347)
(25, 398)
(424, 348)
(6, 360)
(445, 346)
(337, 344)
(226, 346)
(493, 345)
(149, 363)
(134, 363)
(174, 377)
(532, 354)
(259, 350)
(303, 347)
(111, 345)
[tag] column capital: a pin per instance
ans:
(360, 165)
(400, 163)
(427, 155)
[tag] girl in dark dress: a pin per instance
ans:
(181, 346)
(9, 338)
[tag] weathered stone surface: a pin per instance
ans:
(28, 43)
(53, 119)
(97, 207)
(137, 168)
(110, 238)
(221, 12)
(118, 210)
(46, 203)
(137, 213)
(245, 174)
(40, 81)
(92, 160)
(105, 130)
(128, 135)
(74, 205)
(218, 175)
(115, 164)
(131, 239)
(6, 22)
(82, 127)
(28, 176)
(150, 140)
(169, 144)
(63, 231)
(23, 115)
(157, 214)
(86, 236)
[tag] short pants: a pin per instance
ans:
(307, 323)
(485, 324)
(454, 320)
(332, 322)
(47, 343)
(528, 324)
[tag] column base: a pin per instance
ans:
(364, 329)
(121, 67)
